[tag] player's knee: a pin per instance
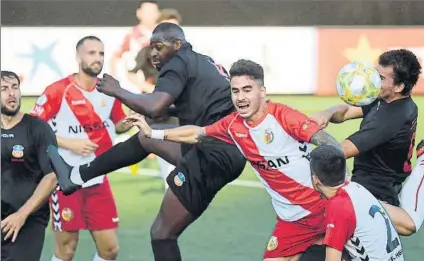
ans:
(66, 250)
(160, 232)
(109, 252)
(65, 245)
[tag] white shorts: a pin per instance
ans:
(412, 194)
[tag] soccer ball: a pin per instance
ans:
(358, 84)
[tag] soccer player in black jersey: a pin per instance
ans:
(27, 179)
(383, 146)
(200, 91)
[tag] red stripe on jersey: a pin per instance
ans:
(48, 104)
(117, 114)
(290, 189)
(417, 192)
(278, 181)
(85, 114)
(296, 124)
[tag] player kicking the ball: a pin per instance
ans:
(275, 140)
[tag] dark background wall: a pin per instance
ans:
(218, 12)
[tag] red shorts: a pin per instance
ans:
(92, 208)
(291, 238)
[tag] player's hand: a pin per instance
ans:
(108, 85)
(140, 122)
(83, 147)
(322, 118)
(13, 224)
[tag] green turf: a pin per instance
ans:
(235, 227)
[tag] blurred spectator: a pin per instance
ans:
(143, 74)
(139, 36)
(170, 16)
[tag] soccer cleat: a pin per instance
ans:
(420, 149)
(62, 170)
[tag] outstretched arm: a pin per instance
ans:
(185, 134)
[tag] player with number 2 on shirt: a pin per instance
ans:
(274, 138)
(355, 219)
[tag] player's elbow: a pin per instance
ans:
(51, 178)
(407, 228)
(156, 111)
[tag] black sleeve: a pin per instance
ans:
(173, 77)
(366, 109)
(376, 131)
(45, 137)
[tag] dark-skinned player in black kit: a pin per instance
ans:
(27, 178)
(200, 91)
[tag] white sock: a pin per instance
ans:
(97, 258)
(412, 194)
(54, 258)
(76, 176)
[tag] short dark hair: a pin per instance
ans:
(10, 74)
(247, 68)
(406, 67)
(168, 14)
(328, 163)
(169, 31)
(87, 38)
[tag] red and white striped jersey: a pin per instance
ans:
(357, 221)
(277, 148)
(79, 114)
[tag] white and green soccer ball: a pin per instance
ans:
(358, 84)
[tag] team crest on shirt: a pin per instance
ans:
(67, 214)
(102, 103)
(18, 151)
(269, 136)
(179, 179)
(272, 244)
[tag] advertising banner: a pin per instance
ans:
(337, 47)
(43, 55)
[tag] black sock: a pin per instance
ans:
(121, 155)
(166, 250)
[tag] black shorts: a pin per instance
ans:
(28, 245)
(204, 170)
(383, 188)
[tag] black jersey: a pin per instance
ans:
(201, 88)
(24, 163)
(385, 142)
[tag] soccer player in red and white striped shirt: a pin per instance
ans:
(275, 139)
(85, 122)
